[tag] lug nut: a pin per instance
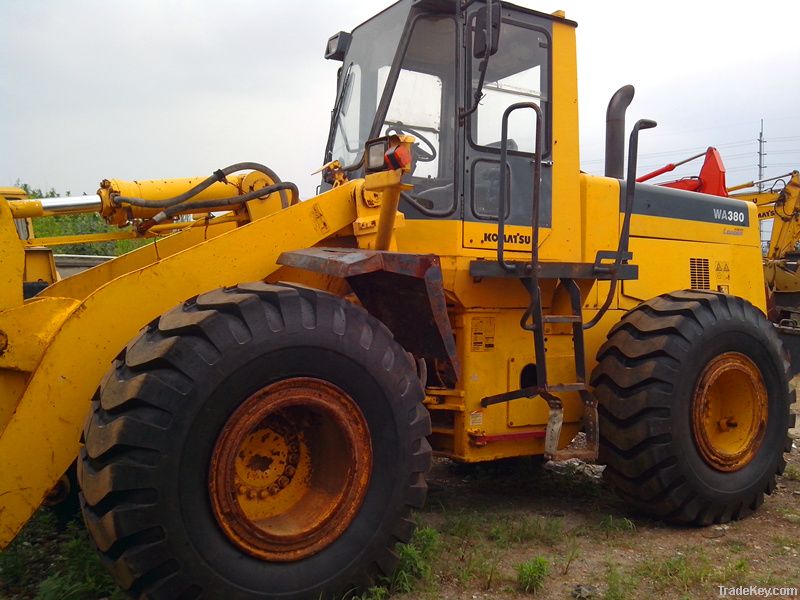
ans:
(241, 490)
(289, 471)
(283, 481)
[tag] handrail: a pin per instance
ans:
(537, 177)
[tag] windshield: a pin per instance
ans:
(371, 52)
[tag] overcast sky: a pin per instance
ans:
(146, 89)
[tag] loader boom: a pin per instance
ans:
(93, 312)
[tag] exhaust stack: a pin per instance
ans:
(615, 131)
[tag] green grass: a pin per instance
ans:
(618, 586)
(464, 525)
(691, 569)
(790, 515)
(414, 570)
(532, 574)
(679, 572)
(546, 530)
(47, 563)
(786, 545)
(736, 546)
(415, 561)
(792, 473)
(735, 572)
(610, 526)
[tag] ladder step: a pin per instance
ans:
(532, 392)
(562, 318)
(567, 387)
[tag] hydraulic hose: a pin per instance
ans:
(217, 177)
(185, 206)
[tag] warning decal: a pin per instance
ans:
(483, 334)
(723, 272)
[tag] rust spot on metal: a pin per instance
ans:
(729, 412)
(259, 462)
(290, 469)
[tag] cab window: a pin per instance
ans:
(518, 72)
(423, 105)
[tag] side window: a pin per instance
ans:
(517, 73)
(423, 105)
(347, 145)
(416, 104)
(486, 188)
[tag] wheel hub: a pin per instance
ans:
(290, 469)
(729, 411)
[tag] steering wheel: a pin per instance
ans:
(426, 154)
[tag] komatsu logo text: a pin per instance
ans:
(510, 238)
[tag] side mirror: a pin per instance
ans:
(487, 29)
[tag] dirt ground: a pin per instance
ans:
(481, 523)
(491, 519)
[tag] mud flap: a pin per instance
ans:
(404, 291)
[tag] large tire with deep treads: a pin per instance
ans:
(667, 377)
(171, 398)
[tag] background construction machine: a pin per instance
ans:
(778, 202)
(449, 289)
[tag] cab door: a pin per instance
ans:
(518, 72)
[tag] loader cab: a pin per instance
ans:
(415, 69)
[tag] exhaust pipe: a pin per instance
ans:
(615, 131)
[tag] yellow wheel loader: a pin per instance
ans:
(252, 400)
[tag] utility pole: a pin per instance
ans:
(765, 226)
(761, 155)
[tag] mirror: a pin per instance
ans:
(482, 25)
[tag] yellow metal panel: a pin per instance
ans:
(12, 259)
(664, 266)
(599, 214)
(79, 286)
(564, 242)
(13, 385)
(39, 265)
(28, 329)
(12, 193)
(489, 341)
(66, 378)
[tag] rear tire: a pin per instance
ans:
(667, 372)
(170, 407)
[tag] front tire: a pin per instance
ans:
(262, 441)
(694, 399)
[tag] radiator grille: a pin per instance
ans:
(698, 267)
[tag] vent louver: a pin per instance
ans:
(698, 268)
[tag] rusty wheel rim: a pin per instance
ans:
(729, 411)
(290, 469)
